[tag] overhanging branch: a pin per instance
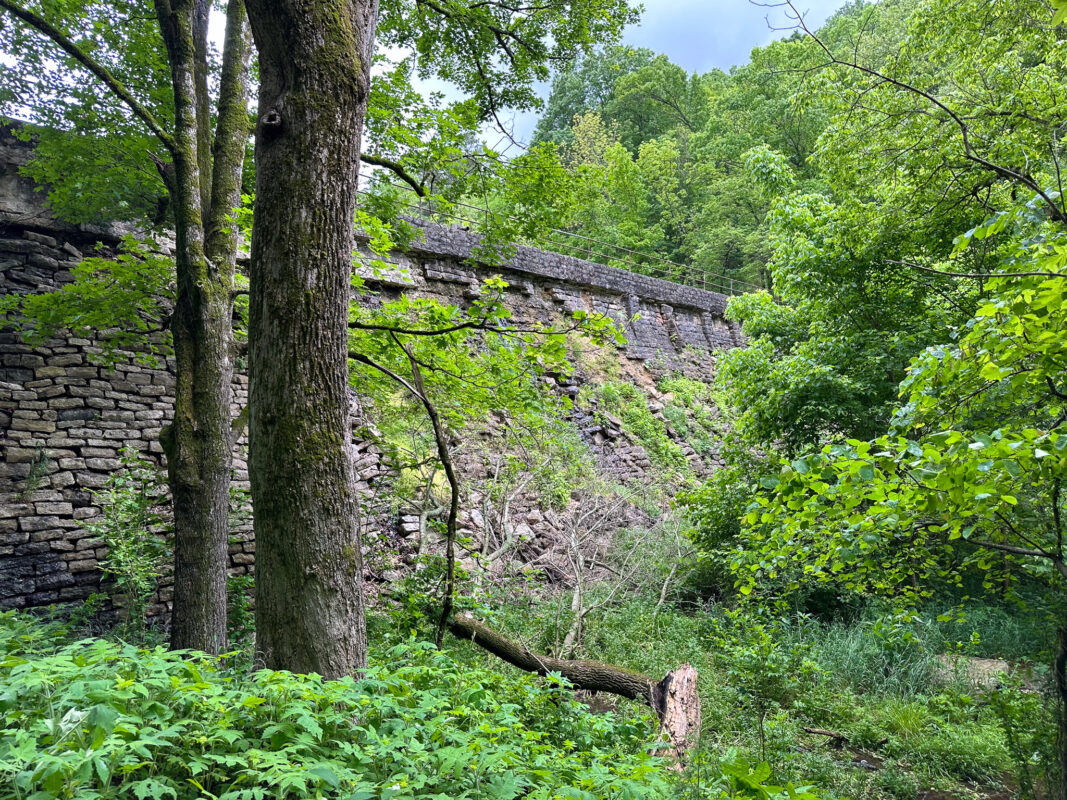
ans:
(117, 88)
(1056, 211)
(397, 169)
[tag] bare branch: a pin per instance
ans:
(979, 275)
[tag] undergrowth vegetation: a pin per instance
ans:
(909, 717)
(98, 718)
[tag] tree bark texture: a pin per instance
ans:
(674, 699)
(1060, 678)
(204, 187)
(678, 707)
(198, 447)
(314, 58)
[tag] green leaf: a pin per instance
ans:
(151, 789)
(325, 774)
(991, 372)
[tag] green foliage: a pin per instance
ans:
(240, 617)
(765, 671)
(39, 468)
(629, 404)
(121, 301)
(1017, 708)
(970, 476)
(493, 54)
(132, 530)
(589, 86)
(771, 171)
(1013, 631)
(693, 414)
(94, 156)
(860, 679)
(714, 510)
(1000, 69)
(666, 168)
(96, 171)
(558, 458)
(98, 719)
(478, 365)
(745, 780)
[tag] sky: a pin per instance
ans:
(700, 35)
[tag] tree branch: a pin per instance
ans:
(1022, 178)
(362, 359)
(1052, 388)
(979, 275)
(397, 169)
(117, 88)
(445, 455)
(593, 676)
(1021, 551)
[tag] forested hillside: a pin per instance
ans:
(827, 562)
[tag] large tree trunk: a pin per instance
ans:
(314, 58)
(198, 446)
(674, 698)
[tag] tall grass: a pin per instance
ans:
(1002, 632)
(860, 658)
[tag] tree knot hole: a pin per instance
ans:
(271, 122)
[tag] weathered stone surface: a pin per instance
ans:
(64, 418)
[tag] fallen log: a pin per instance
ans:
(839, 739)
(674, 698)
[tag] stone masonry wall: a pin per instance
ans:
(64, 417)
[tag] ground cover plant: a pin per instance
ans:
(100, 718)
(909, 722)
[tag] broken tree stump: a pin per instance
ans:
(677, 704)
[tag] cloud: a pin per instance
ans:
(700, 35)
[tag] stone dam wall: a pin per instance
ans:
(64, 417)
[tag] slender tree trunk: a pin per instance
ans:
(1060, 677)
(199, 452)
(314, 58)
(204, 186)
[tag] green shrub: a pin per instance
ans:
(98, 719)
(630, 404)
(132, 530)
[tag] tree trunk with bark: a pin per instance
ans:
(205, 188)
(1060, 678)
(674, 698)
(314, 59)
